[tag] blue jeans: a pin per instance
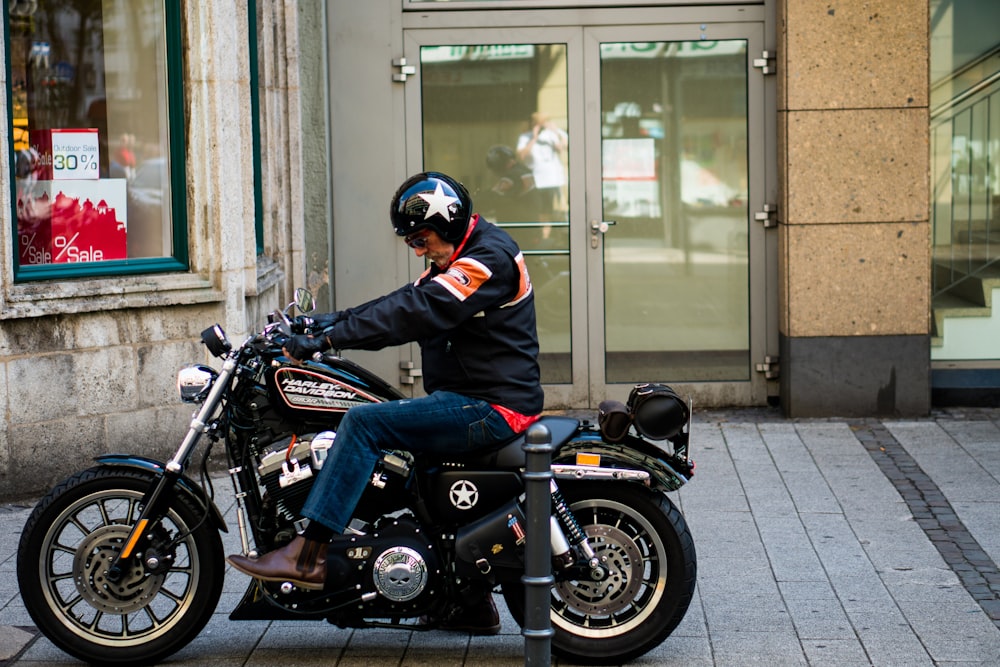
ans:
(442, 423)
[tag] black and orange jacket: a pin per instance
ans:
(474, 322)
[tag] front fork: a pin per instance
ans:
(154, 506)
(157, 499)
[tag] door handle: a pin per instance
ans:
(602, 226)
(599, 228)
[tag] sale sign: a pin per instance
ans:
(69, 154)
(75, 155)
(34, 227)
(72, 221)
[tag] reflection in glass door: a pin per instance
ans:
(495, 116)
(620, 166)
(675, 211)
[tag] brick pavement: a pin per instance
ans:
(935, 515)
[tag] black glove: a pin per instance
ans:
(316, 323)
(326, 320)
(302, 348)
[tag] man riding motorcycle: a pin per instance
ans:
(472, 312)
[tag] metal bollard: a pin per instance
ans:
(537, 577)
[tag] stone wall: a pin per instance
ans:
(86, 384)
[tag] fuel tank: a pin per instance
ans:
(317, 389)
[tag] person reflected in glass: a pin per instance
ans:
(541, 149)
(513, 195)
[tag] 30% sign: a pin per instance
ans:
(75, 154)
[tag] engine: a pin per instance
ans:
(395, 568)
(389, 565)
(288, 468)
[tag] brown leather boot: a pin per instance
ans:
(301, 562)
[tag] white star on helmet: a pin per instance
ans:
(438, 203)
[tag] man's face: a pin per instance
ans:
(428, 242)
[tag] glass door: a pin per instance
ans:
(495, 111)
(618, 158)
(669, 191)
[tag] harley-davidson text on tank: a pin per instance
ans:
(304, 389)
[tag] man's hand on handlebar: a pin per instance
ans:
(314, 324)
(302, 347)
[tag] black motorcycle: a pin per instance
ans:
(123, 563)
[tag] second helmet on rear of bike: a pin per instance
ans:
(431, 200)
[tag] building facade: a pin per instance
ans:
(733, 198)
(200, 202)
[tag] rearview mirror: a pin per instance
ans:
(304, 300)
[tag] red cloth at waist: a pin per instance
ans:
(516, 420)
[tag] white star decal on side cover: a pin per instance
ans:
(463, 494)
(438, 203)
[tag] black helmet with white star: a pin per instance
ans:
(431, 200)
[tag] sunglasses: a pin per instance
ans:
(418, 240)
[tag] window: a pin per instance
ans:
(98, 154)
(258, 197)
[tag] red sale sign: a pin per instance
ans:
(72, 221)
(34, 234)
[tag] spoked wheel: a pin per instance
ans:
(643, 541)
(73, 536)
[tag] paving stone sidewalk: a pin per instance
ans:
(820, 542)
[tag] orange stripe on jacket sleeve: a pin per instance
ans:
(464, 277)
(524, 285)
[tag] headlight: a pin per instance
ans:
(194, 382)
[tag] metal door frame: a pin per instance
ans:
(750, 392)
(581, 30)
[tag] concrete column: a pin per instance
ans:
(854, 232)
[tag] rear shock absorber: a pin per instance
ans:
(575, 533)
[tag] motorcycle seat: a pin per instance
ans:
(510, 453)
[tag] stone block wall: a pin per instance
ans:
(854, 230)
(79, 386)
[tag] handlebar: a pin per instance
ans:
(275, 334)
(283, 327)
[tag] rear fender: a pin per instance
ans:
(667, 472)
(184, 484)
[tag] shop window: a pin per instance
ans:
(258, 197)
(97, 131)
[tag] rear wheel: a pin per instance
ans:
(72, 537)
(643, 541)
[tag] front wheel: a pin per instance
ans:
(72, 537)
(643, 541)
